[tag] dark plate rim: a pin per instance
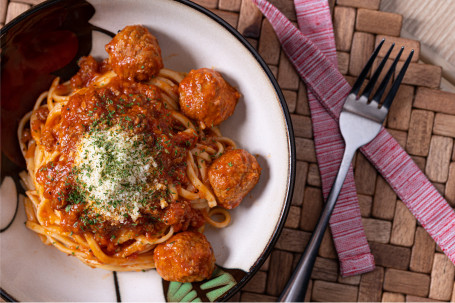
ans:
(290, 134)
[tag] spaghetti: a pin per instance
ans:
(115, 167)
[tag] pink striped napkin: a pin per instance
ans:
(346, 224)
(312, 51)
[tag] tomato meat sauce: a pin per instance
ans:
(137, 109)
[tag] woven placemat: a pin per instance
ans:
(410, 267)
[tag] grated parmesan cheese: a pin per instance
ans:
(113, 169)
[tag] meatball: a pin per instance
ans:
(206, 97)
(134, 54)
(232, 176)
(185, 257)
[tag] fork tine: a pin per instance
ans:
(358, 83)
(367, 91)
(389, 98)
(378, 95)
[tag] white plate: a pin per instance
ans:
(190, 37)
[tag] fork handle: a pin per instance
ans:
(297, 285)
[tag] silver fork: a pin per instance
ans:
(360, 122)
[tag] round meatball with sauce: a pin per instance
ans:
(232, 176)
(185, 257)
(206, 97)
(134, 54)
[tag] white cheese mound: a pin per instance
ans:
(113, 169)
